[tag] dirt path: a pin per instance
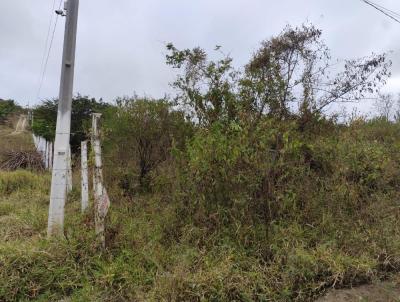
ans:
(383, 292)
(22, 123)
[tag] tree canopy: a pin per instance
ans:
(45, 118)
(290, 75)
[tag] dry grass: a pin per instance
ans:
(144, 263)
(10, 141)
(14, 160)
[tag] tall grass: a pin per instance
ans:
(11, 182)
(333, 223)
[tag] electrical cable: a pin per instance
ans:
(386, 9)
(47, 39)
(45, 59)
(383, 10)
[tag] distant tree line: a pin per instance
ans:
(45, 118)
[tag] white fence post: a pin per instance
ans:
(51, 156)
(46, 155)
(69, 170)
(102, 202)
(45, 149)
(84, 177)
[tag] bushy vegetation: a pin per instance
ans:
(324, 215)
(241, 189)
(140, 134)
(7, 108)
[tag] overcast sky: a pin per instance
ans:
(121, 43)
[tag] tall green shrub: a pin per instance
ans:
(139, 136)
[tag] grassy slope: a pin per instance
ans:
(14, 141)
(143, 261)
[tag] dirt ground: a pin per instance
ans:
(384, 292)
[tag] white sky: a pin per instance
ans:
(121, 44)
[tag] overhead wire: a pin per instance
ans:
(47, 39)
(48, 47)
(386, 9)
(391, 14)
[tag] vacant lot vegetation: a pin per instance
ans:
(240, 189)
(331, 220)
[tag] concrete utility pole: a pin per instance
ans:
(58, 192)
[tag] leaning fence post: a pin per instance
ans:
(84, 177)
(102, 202)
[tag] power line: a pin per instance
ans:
(391, 14)
(45, 58)
(47, 38)
(386, 9)
(40, 78)
(387, 12)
